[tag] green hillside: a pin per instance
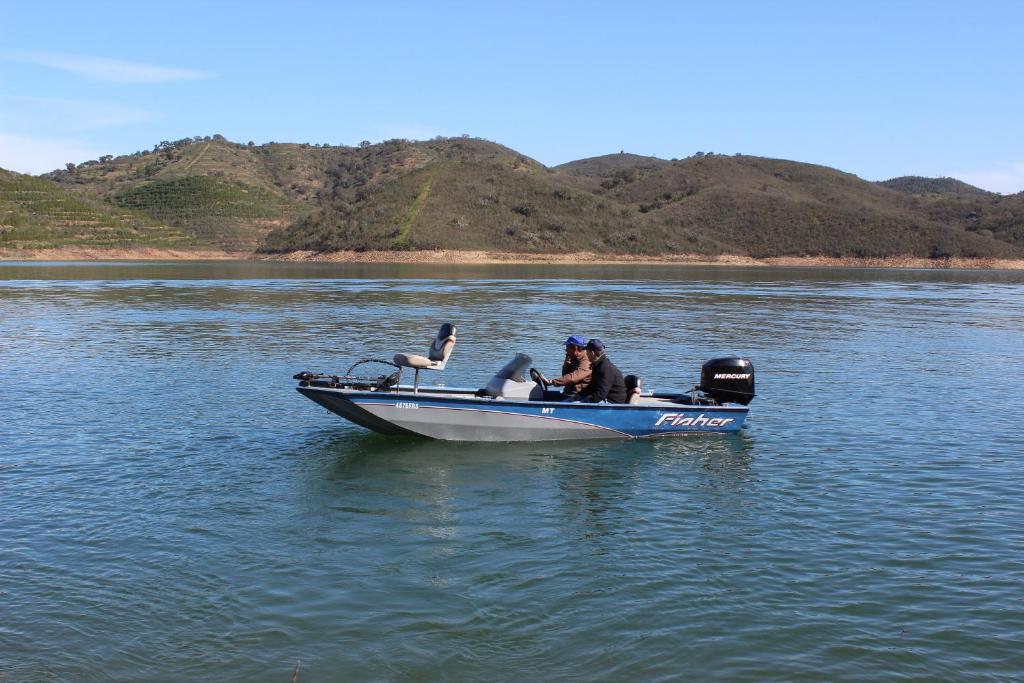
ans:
(772, 207)
(228, 214)
(290, 170)
(487, 205)
(36, 213)
(629, 204)
(913, 184)
(230, 195)
(998, 216)
(953, 202)
(467, 193)
(612, 165)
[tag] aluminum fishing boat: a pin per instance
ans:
(513, 408)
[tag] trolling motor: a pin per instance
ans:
(350, 381)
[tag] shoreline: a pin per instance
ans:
(459, 257)
(118, 254)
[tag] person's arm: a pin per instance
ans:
(582, 372)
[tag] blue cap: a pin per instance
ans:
(575, 340)
(595, 345)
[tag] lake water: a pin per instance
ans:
(172, 509)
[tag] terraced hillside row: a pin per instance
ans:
(217, 211)
(36, 213)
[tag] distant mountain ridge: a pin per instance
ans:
(467, 193)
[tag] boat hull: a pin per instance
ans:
(455, 418)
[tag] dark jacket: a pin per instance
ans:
(606, 383)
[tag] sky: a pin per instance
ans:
(879, 89)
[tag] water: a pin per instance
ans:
(171, 509)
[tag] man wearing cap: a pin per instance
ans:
(606, 381)
(575, 368)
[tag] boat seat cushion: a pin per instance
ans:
(442, 348)
(437, 356)
(410, 360)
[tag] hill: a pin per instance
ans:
(221, 193)
(609, 165)
(953, 202)
(772, 207)
(231, 195)
(467, 193)
(501, 203)
(228, 214)
(36, 213)
(913, 184)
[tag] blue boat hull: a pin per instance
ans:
(467, 418)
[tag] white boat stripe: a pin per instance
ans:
(503, 412)
(613, 406)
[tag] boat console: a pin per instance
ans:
(511, 382)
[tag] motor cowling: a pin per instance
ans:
(728, 380)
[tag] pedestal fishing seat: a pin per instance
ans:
(436, 358)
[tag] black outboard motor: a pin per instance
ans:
(728, 380)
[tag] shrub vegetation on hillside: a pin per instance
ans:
(467, 193)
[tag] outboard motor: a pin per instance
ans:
(728, 380)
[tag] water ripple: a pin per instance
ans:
(172, 508)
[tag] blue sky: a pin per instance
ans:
(878, 89)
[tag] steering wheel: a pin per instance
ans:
(538, 378)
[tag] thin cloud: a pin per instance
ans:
(1006, 178)
(29, 154)
(112, 70)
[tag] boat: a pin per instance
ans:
(518, 405)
